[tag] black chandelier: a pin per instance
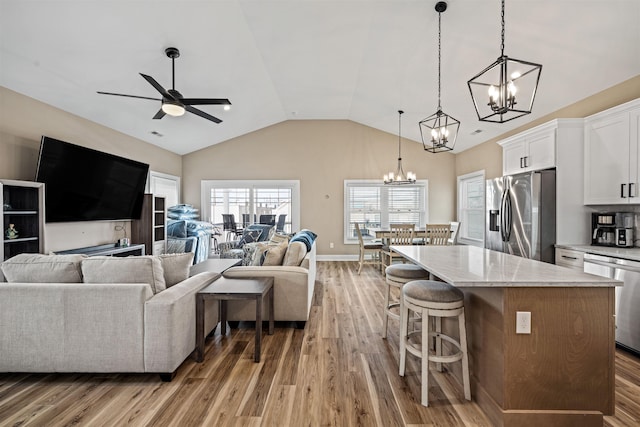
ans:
(500, 82)
(439, 131)
(399, 178)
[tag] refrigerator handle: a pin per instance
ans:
(509, 217)
(505, 218)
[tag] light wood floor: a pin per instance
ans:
(338, 372)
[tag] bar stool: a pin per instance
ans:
(437, 300)
(396, 276)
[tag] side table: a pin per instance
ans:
(225, 289)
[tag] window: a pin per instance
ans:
(471, 208)
(249, 199)
(375, 205)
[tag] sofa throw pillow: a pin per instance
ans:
(295, 254)
(132, 269)
(275, 254)
(175, 267)
(39, 268)
(249, 236)
(305, 236)
(278, 238)
(252, 253)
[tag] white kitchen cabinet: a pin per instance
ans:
(611, 156)
(531, 150)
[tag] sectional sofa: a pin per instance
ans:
(69, 313)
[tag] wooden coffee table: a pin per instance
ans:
(225, 289)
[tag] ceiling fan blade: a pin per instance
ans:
(156, 85)
(129, 96)
(160, 114)
(202, 114)
(205, 101)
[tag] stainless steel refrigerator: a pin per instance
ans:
(521, 215)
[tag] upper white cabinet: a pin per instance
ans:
(558, 143)
(534, 149)
(611, 156)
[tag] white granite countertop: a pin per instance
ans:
(632, 254)
(467, 266)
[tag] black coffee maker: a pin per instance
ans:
(603, 229)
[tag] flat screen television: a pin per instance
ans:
(82, 184)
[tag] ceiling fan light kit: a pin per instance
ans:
(439, 131)
(506, 89)
(172, 101)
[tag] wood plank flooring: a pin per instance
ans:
(337, 372)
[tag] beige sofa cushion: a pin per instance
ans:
(175, 267)
(275, 254)
(133, 269)
(295, 254)
(39, 268)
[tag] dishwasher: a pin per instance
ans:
(627, 296)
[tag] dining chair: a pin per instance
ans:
(453, 240)
(373, 249)
(280, 223)
(438, 234)
(229, 226)
(246, 220)
(267, 219)
(401, 234)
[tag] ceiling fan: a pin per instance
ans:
(173, 103)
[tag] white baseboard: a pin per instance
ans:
(337, 257)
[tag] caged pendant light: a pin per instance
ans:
(506, 89)
(439, 131)
(399, 178)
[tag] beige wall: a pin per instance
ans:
(322, 154)
(24, 120)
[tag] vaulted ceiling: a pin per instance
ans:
(358, 60)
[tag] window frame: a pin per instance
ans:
(293, 185)
(462, 181)
(422, 184)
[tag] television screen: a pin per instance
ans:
(82, 184)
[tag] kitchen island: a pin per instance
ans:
(563, 372)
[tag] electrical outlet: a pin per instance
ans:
(523, 322)
(331, 245)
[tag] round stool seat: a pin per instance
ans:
(396, 276)
(432, 291)
(406, 271)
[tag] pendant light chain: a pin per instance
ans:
(502, 35)
(439, 56)
(399, 137)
